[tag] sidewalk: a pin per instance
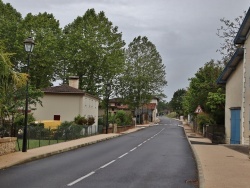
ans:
(218, 165)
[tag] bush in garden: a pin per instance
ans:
(81, 120)
(203, 119)
(100, 121)
(111, 118)
(90, 120)
(19, 120)
(122, 118)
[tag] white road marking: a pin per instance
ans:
(139, 145)
(107, 164)
(80, 179)
(122, 155)
(133, 149)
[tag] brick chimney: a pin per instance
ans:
(74, 81)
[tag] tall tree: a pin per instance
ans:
(45, 30)
(9, 22)
(94, 49)
(200, 85)
(163, 106)
(144, 73)
(177, 100)
(227, 32)
(10, 81)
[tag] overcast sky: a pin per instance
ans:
(183, 31)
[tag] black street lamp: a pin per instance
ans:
(29, 45)
(108, 88)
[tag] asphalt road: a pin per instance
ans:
(158, 156)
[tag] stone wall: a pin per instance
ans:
(117, 129)
(7, 145)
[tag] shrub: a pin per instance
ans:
(172, 115)
(122, 118)
(80, 120)
(19, 120)
(203, 119)
(90, 120)
(100, 121)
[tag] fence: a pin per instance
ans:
(216, 133)
(38, 136)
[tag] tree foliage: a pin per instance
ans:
(177, 100)
(95, 50)
(144, 73)
(216, 105)
(163, 106)
(9, 22)
(10, 81)
(228, 32)
(200, 86)
(44, 63)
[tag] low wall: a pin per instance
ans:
(119, 129)
(7, 145)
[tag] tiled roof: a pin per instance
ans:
(115, 100)
(63, 89)
(150, 106)
(241, 36)
(123, 107)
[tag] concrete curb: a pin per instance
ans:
(198, 163)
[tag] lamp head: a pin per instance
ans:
(29, 44)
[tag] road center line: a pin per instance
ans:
(107, 164)
(133, 149)
(122, 155)
(80, 179)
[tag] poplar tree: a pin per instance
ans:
(144, 73)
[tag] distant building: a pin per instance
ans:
(145, 114)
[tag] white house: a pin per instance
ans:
(66, 102)
(236, 77)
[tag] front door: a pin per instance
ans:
(235, 126)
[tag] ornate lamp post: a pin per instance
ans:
(29, 45)
(108, 88)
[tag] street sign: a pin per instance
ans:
(198, 110)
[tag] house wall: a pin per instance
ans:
(246, 94)
(233, 97)
(67, 106)
(155, 111)
(90, 108)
